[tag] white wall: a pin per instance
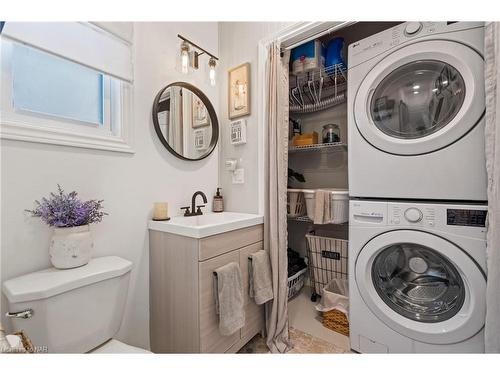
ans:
(129, 184)
(238, 44)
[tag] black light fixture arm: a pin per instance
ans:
(197, 46)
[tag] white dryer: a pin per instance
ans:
(416, 106)
(417, 278)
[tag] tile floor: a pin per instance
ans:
(303, 343)
(309, 336)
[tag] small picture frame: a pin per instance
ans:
(200, 113)
(239, 91)
(200, 140)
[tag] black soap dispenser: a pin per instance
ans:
(218, 202)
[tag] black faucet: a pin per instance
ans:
(193, 203)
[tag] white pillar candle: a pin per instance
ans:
(160, 211)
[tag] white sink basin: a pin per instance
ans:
(207, 224)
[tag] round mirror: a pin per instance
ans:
(185, 121)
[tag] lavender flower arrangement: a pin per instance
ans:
(67, 210)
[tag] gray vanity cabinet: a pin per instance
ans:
(182, 308)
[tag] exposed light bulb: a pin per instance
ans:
(185, 58)
(212, 64)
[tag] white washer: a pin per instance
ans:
(417, 277)
(416, 108)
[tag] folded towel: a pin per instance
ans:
(322, 199)
(259, 271)
(228, 294)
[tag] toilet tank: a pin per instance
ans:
(74, 310)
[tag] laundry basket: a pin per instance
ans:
(327, 261)
(296, 204)
(296, 283)
(334, 306)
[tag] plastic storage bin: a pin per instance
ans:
(339, 207)
(308, 56)
(309, 195)
(296, 204)
(296, 283)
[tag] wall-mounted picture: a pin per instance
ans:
(239, 91)
(200, 113)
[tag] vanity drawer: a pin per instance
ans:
(222, 243)
(211, 341)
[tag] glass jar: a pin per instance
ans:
(331, 133)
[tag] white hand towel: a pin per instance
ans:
(322, 199)
(228, 294)
(259, 271)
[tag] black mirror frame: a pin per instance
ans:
(211, 112)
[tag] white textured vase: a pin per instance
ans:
(71, 247)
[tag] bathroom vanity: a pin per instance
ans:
(184, 252)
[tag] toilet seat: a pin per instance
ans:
(117, 347)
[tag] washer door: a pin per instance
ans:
(422, 286)
(421, 98)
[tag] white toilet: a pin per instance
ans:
(77, 310)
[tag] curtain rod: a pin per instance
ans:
(318, 34)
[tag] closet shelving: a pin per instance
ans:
(306, 219)
(320, 147)
(318, 89)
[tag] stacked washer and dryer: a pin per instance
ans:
(417, 184)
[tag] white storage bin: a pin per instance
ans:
(339, 207)
(296, 205)
(309, 195)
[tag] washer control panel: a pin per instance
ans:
(408, 214)
(460, 219)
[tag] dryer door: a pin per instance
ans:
(421, 98)
(422, 286)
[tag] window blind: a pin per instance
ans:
(88, 44)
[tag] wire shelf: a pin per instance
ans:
(321, 147)
(304, 219)
(318, 89)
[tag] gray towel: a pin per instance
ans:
(322, 200)
(228, 294)
(259, 271)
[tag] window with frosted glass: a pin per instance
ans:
(50, 85)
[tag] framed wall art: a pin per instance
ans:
(239, 91)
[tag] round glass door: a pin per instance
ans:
(420, 98)
(417, 99)
(418, 282)
(422, 286)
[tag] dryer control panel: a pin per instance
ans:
(381, 42)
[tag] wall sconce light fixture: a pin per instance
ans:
(191, 58)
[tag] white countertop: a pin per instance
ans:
(207, 224)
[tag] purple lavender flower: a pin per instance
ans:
(67, 210)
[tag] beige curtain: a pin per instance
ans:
(275, 224)
(492, 146)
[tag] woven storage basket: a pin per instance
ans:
(336, 321)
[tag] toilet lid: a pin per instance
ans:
(53, 281)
